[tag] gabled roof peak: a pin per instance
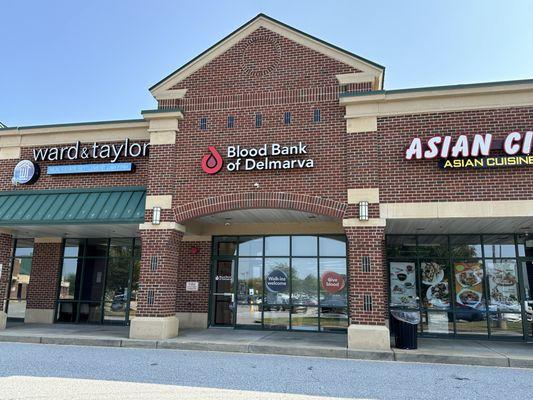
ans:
(160, 89)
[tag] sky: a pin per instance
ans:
(75, 61)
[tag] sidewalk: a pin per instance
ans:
(468, 352)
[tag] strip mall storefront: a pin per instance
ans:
(277, 186)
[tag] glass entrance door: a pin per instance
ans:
(223, 294)
(527, 287)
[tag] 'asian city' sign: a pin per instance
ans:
(266, 157)
(475, 153)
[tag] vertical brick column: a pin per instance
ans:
(42, 290)
(159, 273)
(368, 288)
(160, 241)
(6, 247)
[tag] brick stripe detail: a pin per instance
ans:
(367, 241)
(251, 200)
(6, 247)
(45, 266)
(264, 99)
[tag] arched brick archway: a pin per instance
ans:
(249, 200)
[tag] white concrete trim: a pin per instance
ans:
(162, 114)
(196, 238)
(438, 100)
(355, 222)
(48, 240)
(458, 209)
(192, 320)
(162, 137)
(162, 88)
(154, 328)
(172, 94)
(355, 77)
(89, 133)
(10, 153)
(39, 316)
(367, 194)
(361, 124)
(164, 201)
(368, 337)
(163, 225)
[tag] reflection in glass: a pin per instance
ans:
(276, 317)
(251, 247)
(89, 312)
(465, 246)
(93, 279)
(506, 324)
(24, 248)
(333, 319)
(401, 246)
(96, 248)
(470, 321)
(74, 247)
(226, 247)
(304, 246)
(433, 246)
(120, 247)
(499, 246)
(332, 246)
(250, 280)
(437, 322)
(277, 246)
(67, 312)
(503, 285)
(333, 289)
(304, 281)
(70, 273)
(277, 275)
(248, 314)
(304, 318)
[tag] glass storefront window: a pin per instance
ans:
(465, 247)
(99, 280)
(277, 276)
(282, 282)
(277, 246)
(333, 290)
(499, 246)
(467, 284)
(17, 292)
(305, 281)
(251, 247)
(304, 246)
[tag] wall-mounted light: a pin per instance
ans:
(156, 215)
(363, 211)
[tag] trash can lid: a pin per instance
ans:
(411, 317)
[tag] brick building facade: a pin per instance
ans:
(329, 237)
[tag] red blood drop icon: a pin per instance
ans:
(212, 162)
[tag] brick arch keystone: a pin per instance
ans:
(250, 200)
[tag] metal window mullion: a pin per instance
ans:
(318, 277)
(130, 282)
(104, 283)
(290, 283)
(12, 264)
(521, 288)
(486, 286)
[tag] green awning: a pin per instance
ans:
(73, 206)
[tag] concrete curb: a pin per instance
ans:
(256, 347)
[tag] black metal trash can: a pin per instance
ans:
(406, 328)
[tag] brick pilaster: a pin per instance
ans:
(367, 241)
(6, 248)
(158, 283)
(45, 266)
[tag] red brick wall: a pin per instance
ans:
(164, 244)
(280, 64)
(403, 180)
(195, 268)
(45, 267)
(367, 241)
(6, 249)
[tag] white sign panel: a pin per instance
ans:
(191, 286)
